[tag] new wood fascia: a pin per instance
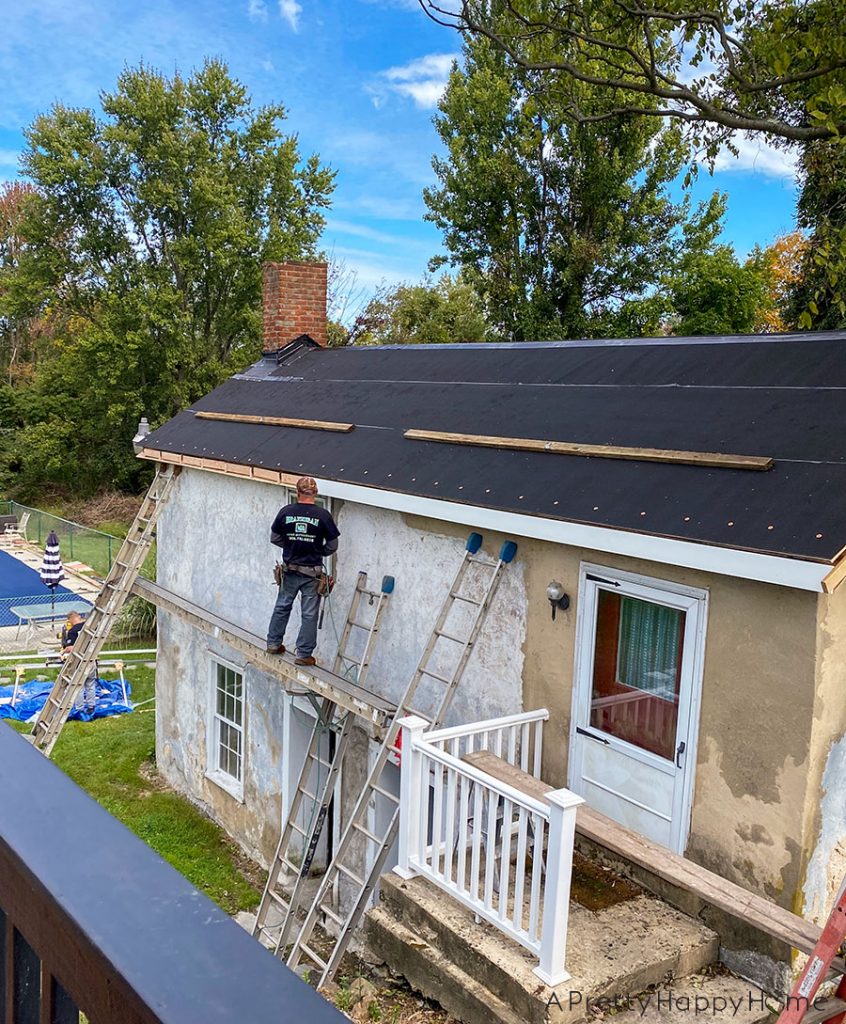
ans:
(785, 571)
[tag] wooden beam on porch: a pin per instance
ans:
(719, 892)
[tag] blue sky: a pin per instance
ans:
(360, 79)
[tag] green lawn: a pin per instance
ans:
(114, 760)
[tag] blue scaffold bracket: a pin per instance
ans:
(507, 551)
(474, 542)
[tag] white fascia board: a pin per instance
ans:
(749, 565)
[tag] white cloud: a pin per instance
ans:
(9, 157)
(257, 10)
(422, 80)
(756, 156)
(291, 11)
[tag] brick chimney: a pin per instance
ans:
(293, 303)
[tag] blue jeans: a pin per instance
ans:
(294, 583)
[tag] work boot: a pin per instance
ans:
(307, 660)
(275, 648)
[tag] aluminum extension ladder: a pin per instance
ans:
(319, 800)
(82, 659)
(359, 845)
(803, 1006)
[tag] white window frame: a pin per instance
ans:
(214, 773)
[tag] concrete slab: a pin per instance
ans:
(719, 999)
(617, 951)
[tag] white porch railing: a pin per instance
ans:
(505, 855)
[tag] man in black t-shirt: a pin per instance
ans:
(306, 533)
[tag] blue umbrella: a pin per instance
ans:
(52, 573)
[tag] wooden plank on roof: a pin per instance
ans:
(719, 892)
(275, 421)
(602, 451)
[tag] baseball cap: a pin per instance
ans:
(306, 485)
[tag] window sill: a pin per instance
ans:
(229, 785)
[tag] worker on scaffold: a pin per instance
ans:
(307, 534)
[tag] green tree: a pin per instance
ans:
(712, 292)
(777, 68)
(719, 66)
(447, 310)
(557, 225)
(818, 297)
(147, 233)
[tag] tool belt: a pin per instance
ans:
(325, 582)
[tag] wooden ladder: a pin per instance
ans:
(82, 659)
(364, 846)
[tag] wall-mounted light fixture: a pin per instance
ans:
(143, 430)
(557, 597)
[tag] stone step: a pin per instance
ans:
(616, 951)
(719, 998)
(427, 970)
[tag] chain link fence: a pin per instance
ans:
(77, 543)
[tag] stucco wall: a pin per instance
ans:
(826, 806)
(214, 549)
(758, 701)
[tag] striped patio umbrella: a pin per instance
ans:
(51, 571)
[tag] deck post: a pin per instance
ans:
(556, 898)
(411, 792)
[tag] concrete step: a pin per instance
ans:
(616, 951)
(721, 998)
(427, 970)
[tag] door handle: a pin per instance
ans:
(679, 753)
(584, 732)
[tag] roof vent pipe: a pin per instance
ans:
(143, 430)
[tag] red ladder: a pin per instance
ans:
(802, 1006)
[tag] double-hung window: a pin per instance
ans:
(226, 749)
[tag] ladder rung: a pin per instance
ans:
(332, 915)
(823, 1009)
(319, 760)
(307, 792)
(366, 832)
(463, 597)
(436, 675)
(449, 636)
(297, 828)
(350, 874)
(274, 895)
(420, 714)
(309, 952)
(385, 792)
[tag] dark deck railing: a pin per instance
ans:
(93, 921)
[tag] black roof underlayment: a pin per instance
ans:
(782, 396)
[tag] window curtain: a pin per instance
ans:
(650, 646)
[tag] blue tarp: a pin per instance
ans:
(32, 697)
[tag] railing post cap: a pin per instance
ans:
(564, 798)
(413, 722)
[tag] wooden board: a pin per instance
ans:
(347, 695)
(603, 451)
(837, 575)
(275, 421)
(272, 476)
(719, 892)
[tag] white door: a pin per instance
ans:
(635, 716)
